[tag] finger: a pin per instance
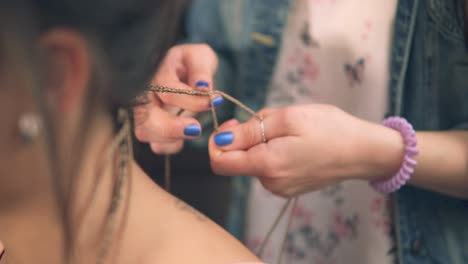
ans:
(238, 162)
(167, 148)
(229, 163)
(201, 63)
(144, 103)
(228, 124)
(183, 101)
(188, 67)
(249, 134)
(156, 125)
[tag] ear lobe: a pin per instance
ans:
(67, 69)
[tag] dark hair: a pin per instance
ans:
(127, 38)
(131, 35)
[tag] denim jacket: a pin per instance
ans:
(429, 75)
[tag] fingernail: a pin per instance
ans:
(192, 130)
(202, 84)
(218, 101)
(224, 138)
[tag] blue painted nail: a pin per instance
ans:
(218, 101)
(192, 130)
(202, 84)
(224, 138)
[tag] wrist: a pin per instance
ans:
(380, 152)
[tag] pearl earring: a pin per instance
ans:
(29, 126)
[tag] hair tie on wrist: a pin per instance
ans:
(411, 150)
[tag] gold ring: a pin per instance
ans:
(262, 130)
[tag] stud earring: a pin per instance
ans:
(29, 127)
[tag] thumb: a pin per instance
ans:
(247, 135)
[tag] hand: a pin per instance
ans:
(308, 147)
(156, 122)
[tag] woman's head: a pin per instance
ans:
(117, 42)
(71, 62)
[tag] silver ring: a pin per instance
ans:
(262, 130)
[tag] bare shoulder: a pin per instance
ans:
(168, 230)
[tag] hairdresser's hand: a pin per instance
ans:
(156, 122)
(309, 147)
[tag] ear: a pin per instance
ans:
(67, 69)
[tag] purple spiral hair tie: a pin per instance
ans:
(411, 150)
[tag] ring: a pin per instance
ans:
(262, 130)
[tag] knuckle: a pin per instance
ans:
(264, 112)
(140, 134)
(166, 132)
(324, 111)
(173, 51)
(140, 116)
(157, 148)
(174, 148)
(288, 113)
(165, 97)
(251, 134)
(167, 148)
(163, 131)
(287, 119)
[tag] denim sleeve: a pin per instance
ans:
(462, 126)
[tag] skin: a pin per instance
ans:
(312, 146)
(153, 226)
(156, 122)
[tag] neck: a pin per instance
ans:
(29, 203)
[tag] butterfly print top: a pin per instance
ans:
(333, 52)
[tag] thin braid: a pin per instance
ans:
(124, 142)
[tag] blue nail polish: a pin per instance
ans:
(202, 84)
(192, 130)
(224, 138)
(218, 101)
